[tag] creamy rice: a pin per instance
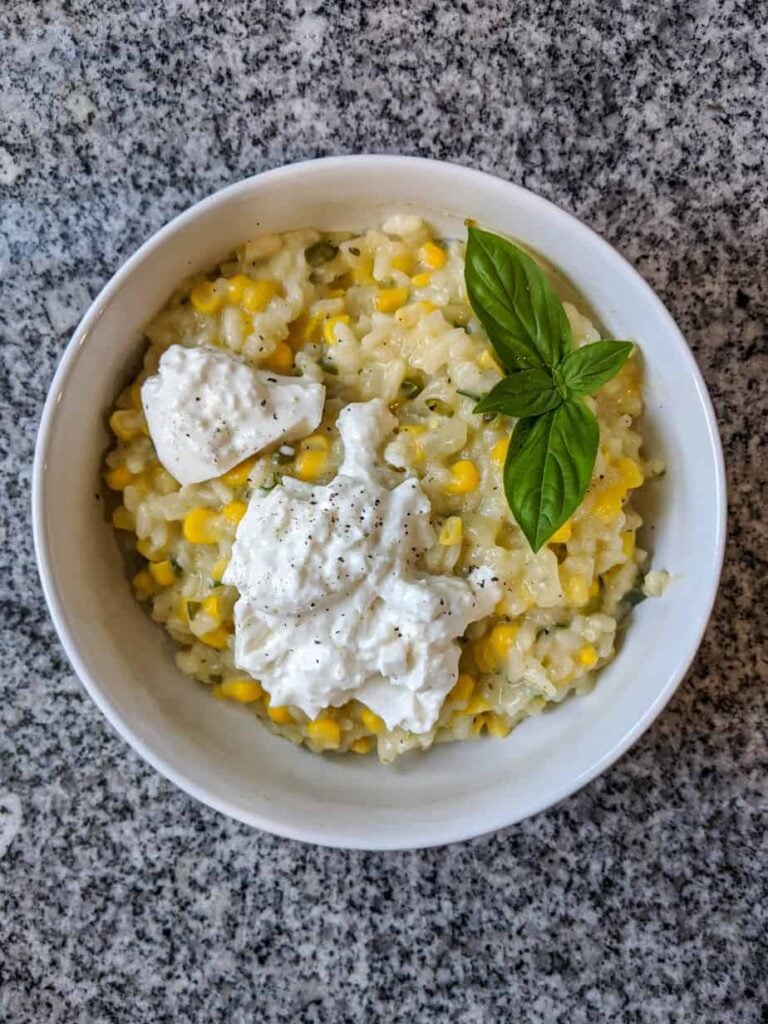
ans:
(385, 314)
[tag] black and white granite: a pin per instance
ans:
(641, 899)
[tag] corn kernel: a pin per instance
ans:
(501, 638)
(124, 425)
(335, 293)
(216, 638)
(414, 431)
(576, 590)
(135, 393)
(143, 584)
(182, 610)
(630, 472)
(432, 256)
(486, 361)
(119, 478)
(371, 721)
(362, 273)
(204, 298)
(257, 294)
(324, 733)
(452, 532)
(280, 715)
(594, 588)
(484, 657)
(199, 526)
(316, 443)
(281, 360)
(303, 330)
(607, 503)
(499, 451)
(213, 607)
(218, 570)
(238, 475)
(497, 725)
(362, 746)
(563, 535)
(122, 518)
(628, 543)
(465, 477)
(390, 299)
(463, 689)
(236, 286)
(402, 261)
(477, 705)
(162, 573)
(234, 511)
(421, 280)
(244, 690)
(587, 655)
(310, 464)
(329, 327)
(146, 548)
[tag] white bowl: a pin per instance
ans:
(220, 753)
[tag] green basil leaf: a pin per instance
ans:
(513, 300)
(586, 369)
(548, 468)
(522, 393)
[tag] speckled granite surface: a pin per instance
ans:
(641, 899)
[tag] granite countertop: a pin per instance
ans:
(642, 898)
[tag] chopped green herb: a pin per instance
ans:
(411, 387)
(319, 253)
(270, 483)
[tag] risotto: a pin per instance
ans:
(384, 315)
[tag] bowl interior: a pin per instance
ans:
(221, 754)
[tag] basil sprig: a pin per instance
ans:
(554, 443)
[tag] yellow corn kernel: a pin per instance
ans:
(371, 721)
(281, 360)
(316, 443)
(587, 655)
(329, 327)
(464, 477)
(628, 543)
(280, 715)
(146, 548)
(324, 733)
(452, 532)
(607, 503)
(310, 464)
(484, 657)
(501, 638)
(204, 298)
(563, 535)
(497, 725)
(432, 256)
(234, 511)
(631, 473)
(402, 261)
(199, 526)
(335, 293)
(244, 690)
(594, 588)
(477, 705)
(486, 361)
(238, 475)
(236, 286)
(303, 330)
(162, 573)
(414, 431)
(122, 518)
(124, 426)
(362, 273)
(463, 689)
(499, 451)
(362, 746)
(576, 590)
(421, 280)
(216, 638)
(182, 610)
(213, 607)
(118, 478)
(390, 299)
(218, 570)
(257, 294)
(136, 396)
(144, 585)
